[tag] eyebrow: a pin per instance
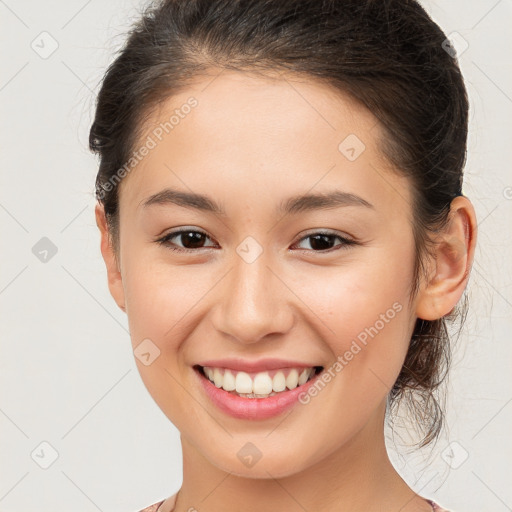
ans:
(292, 205)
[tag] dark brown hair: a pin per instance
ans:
(387, 54)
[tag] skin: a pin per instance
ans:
(249, 144)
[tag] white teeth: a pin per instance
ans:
(229, 383)
(217, 378)
(262, 385)
(303, 377)
(243, 383)
(279, 382)
(293, 379)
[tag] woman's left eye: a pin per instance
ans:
(322, 241)
(192, 239)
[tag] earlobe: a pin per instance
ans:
(454, 252)
(115, 282)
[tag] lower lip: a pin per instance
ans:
(252, 408)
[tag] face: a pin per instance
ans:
(308, 282)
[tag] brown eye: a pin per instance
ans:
(190, 240)
(324, 241)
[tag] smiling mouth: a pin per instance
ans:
(258, 384)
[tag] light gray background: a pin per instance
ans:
(68, 376)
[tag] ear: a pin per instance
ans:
(453, 257)
(115, 283)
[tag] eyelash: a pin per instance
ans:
(346, 242)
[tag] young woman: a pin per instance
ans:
(282, 220)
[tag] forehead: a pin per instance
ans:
(232, 105)
(252, 135)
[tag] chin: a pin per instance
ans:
(272, 461)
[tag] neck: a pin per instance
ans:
(355, 476)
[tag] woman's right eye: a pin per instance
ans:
(191, 239)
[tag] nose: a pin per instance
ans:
(253, 303)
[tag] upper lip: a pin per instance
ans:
(259, 365)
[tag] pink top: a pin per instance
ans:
(156, 506)
(152, 508)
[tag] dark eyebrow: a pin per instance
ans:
(185, 199)
(293, 205)
(321, 201)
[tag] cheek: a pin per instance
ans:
(166, 303)
(364, 310)
(160, 303)
(158, 297)
(365, 320)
